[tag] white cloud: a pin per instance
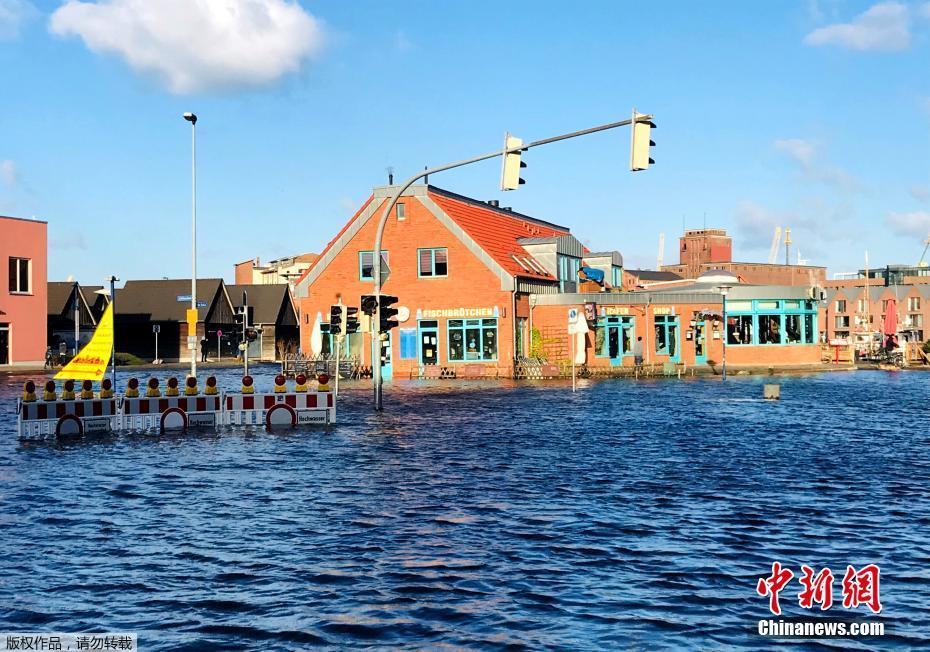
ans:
(13, 13)
(756, 225)
(7, 172)
(806, 154)
(920, 192)
(915, 224)
(71, 240)
(884, 27)
(800, 150)
(197, 45)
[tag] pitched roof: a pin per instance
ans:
(654, 275)
(265, 300)
(60, 296)
(497, 230)
(159, 298)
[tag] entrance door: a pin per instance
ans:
(4, 344)
(613, 345)
(429, 342)
(700, 342)
(386, 357)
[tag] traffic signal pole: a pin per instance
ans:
(379, 234)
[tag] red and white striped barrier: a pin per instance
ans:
(280, 410)
(67, 418)
(171, 412)
(76, 417)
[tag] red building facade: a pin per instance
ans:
(460, 273)
(23, 298)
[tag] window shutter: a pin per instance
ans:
(426, 262)
(441, 266)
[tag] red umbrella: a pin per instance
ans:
(890, 321)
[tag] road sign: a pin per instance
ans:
(219, 333)
(572, 315)
(156, 328)
(385, 271)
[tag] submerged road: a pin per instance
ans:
(629, 515)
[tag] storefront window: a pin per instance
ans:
(472, 339)
(666, 335)
(793, 329)
(739, 329)
(613, 337)
(809, 329)
(769, 329)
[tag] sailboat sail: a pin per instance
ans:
(91, 362)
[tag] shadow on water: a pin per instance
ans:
(626, 515)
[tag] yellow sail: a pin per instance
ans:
(91, 363)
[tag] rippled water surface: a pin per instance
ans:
(483, 515)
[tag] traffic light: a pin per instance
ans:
(369, 304)
(510, 168)
(351, 321)
(336, 318)
(640, 142)
(388, 313)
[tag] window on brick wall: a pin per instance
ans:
(366, 264)
(433, 262)
(20, 276)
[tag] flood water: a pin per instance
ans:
(481, 515)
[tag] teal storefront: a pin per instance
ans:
(754, 322)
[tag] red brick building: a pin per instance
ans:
(702, 250)
(462, 269)
(23, 278)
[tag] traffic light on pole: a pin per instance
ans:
(640, 142)
(369, 304)
(351, 320)
(336, 319)
(512, 165)
(388, 314)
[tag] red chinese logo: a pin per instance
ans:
(860, 587)
(817, 589)
(773, 585)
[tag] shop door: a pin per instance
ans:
(614, 345)
(700, 342)
(386, 357)
(429, 343)
(4, 344)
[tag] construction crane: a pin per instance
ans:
(773, 252)
(661, 256)
(921, 263)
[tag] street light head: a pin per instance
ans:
(191, 118)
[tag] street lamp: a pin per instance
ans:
(192, 118)
(724, 289)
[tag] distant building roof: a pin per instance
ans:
(159, 299)
(267, 301)
(654, 275)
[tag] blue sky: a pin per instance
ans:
(812, 114)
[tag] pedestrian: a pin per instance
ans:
(203, 349)
(638, 351)
(48, 357)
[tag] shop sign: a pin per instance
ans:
(663, 310)
(435, 313)
(616, 311)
